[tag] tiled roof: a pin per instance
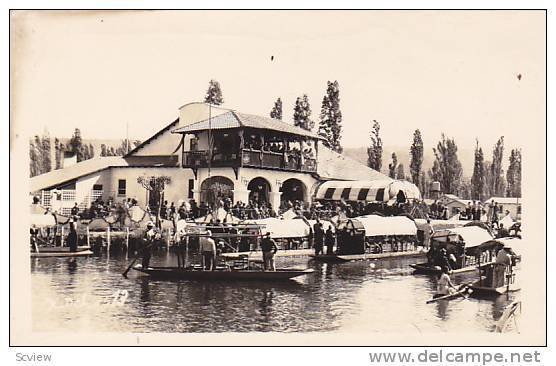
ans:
(61, 176)
(233, 119)
(332, 165)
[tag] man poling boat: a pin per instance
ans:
(445, 289)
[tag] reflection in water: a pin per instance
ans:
(376, 296)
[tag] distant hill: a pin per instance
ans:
(466, 156)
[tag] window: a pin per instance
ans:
(191, 185)
(121, 187)
(193, 144)
(97, 187)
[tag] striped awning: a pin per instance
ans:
(369, 191)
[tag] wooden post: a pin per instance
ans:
(168, 240)
(62, 236)
(108, 238)
(126, 238)
(88, 238)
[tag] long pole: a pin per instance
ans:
(210, 139)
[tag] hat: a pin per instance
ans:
(267, 233)
(150, 223)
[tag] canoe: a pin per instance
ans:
(425, 268)
(221, 275)
(459, 294)
(61, 249)
(62, 254)
(336, 258)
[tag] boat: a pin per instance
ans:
(195, 274)
(371, 237)
(464, 244)
(48, 252)
(462, 291)
(495, 278)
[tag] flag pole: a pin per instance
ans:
(210, 140)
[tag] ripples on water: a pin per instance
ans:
(369, 296)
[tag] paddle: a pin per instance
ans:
(134, 260)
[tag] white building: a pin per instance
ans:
(252, 158)
(511, 204)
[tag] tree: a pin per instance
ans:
(392, 167)
(58, 153)
(302, 113)
(276, 111)
(39, 155)
(400, 173)
(330, 125)
(447, 168)
(103, 150)
(497, 178)
(478, 178)
(91, 151)
(214, 93)
(33, 157)
(76, 144)
(46, 153)
(374, 151)
(155, 185)
(513, 174)
(416, 152)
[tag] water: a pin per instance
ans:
(370, 296)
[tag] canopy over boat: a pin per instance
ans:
(375, 225)
(282, 229)
(439, 224)
(42, 220)
(219, 214)
(472, 236)
(369, 191)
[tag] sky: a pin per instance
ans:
(452, 72)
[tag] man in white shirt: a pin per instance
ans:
(208, 250)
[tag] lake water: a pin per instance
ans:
(371, 296)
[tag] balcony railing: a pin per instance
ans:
(251, 158)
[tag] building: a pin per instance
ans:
(454, 204)
(210, 153)
(511, 204)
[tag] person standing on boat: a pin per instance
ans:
(72, 236)
(149, 239)
(318, 234)
(444, 285)
(182, 248)
(329, 240)
(208, 250)
(427, 232)
(269, 249)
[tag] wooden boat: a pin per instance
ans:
(221, 275)
(463, 291)
(466, 243)
(425, 268)
(339, 258)
(479, 289)
(46, 252)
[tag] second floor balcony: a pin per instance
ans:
(291, 161)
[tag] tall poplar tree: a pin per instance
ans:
(496, 173)
(374, 151)
(513, 174)
(330, 125)
(276, 111)
(302, 113)
(416, 153)
(447, 168)
(478, 178)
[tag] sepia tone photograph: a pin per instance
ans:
(187, 177)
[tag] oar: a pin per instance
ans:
(133, 262)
